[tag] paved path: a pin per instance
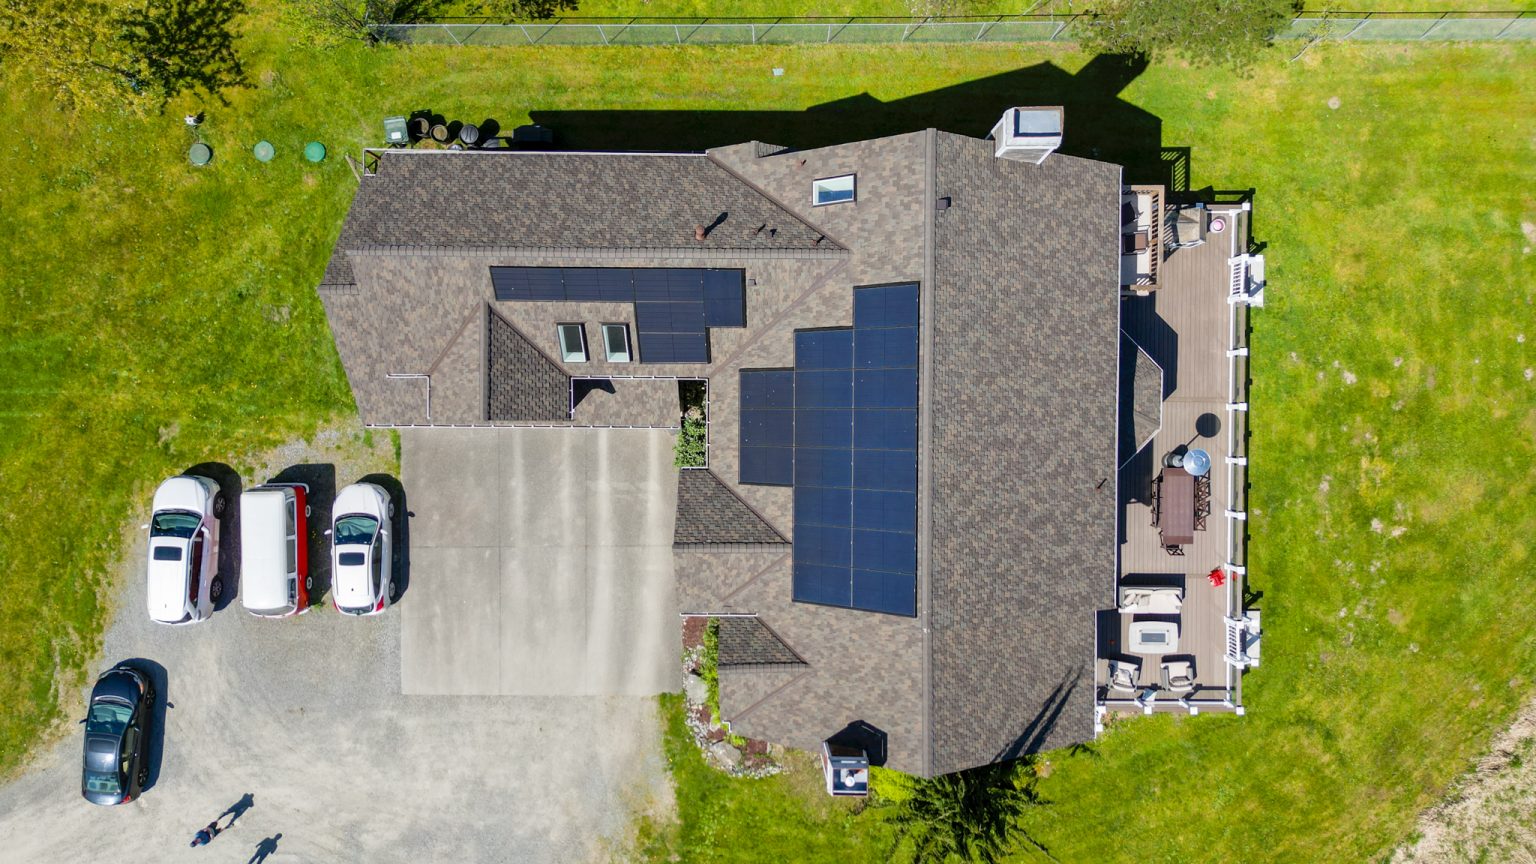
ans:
(542, 562)
(308, 716)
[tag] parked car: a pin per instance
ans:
(184, 578)
(116, 727)
(274, 550)
(362, 581)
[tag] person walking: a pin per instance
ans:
(205, 836)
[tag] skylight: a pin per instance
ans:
(832, 190)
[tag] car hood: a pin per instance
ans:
(360, 498)
(181, 493)
(168, 580)
(350, 584)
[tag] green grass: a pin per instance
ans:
(784, 818)
(157, 315)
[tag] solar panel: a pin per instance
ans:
(893, 593)
(824, 427)
(767, 466)
(772, 428)
(673, 314)
(816, 505)
(725, 298)
(815, 466)
(767, 388)
(826, 545)
(886, 348)
(824, 389)
(824, 349)
(885, 429)
(819, 584)
(887, 551)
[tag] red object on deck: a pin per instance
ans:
(1218, 577)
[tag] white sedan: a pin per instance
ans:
(184, 578)
(361, 579)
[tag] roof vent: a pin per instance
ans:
(1028, 134)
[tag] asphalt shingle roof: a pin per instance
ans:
(709, 513)
(1025, 338)
(749, 642)
(521, 383)
(562, 201)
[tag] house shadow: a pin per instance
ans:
(321, 480)
(154, 746)
(585, 387)
(400, 533)
(862, 736)
(230, 486)
(1099, 124)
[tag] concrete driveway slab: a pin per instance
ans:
(575, 592)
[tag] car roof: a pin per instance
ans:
(263, 548)
(168, 580)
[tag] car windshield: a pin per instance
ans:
(355, 529)
(102, 781)
(108, 718)
(174, 523)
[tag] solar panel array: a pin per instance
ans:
(674, 307)
(841, 428)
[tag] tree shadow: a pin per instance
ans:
(320, 477)
(230, 486)
(1032, 739)
(180, 46)
(400, 527)
(155, 745)
(1099, 124)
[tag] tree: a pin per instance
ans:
(96, 54)
(967, 816)
(368, 21)
(1211, 33)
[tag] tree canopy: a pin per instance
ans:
(1208, 33)
(136, 55)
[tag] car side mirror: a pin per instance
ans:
(327, 532)
(144, 527)
(82, 722)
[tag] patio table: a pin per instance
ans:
(1176, 516)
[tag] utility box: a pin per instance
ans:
(1028, 134)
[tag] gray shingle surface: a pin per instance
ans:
(709, 513)
(521, 383)
(1142, 406)
(1025, 351)
(561, 201)
(749, 642)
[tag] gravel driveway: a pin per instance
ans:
(307, 716)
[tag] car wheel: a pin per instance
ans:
(219, 504)
(391, 509)
(391, 590)
(216, 590)
(143, 776)
(309, 583)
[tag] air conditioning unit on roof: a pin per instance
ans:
(1028, 134)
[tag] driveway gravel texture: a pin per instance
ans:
(306, 715)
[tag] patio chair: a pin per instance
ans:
(1174, 549)
(1124, 675)
(1178, 676)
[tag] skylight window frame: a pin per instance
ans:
(566, 354)
(852, 190)
(628, 354)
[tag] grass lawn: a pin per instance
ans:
(158, 315)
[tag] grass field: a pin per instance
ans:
(157, 315)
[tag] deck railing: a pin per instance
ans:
(1244, 292)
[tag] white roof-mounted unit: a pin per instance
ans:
(1028, 134)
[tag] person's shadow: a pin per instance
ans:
(237, 809)
(265, 848)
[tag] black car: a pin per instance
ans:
(115, 731)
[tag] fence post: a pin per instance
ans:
(1500, 35)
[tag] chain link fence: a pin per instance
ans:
(1380, 26)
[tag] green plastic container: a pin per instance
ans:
(314, 151)
(264, 151)
(200, 154)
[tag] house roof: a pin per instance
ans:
(1023, 337)
(1018, 396)
(627, 201)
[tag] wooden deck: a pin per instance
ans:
(1185, 326)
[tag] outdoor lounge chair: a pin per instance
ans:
(1136, 600)
(1178, 676)
(1124, 675)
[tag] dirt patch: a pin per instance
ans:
(1487, 816)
